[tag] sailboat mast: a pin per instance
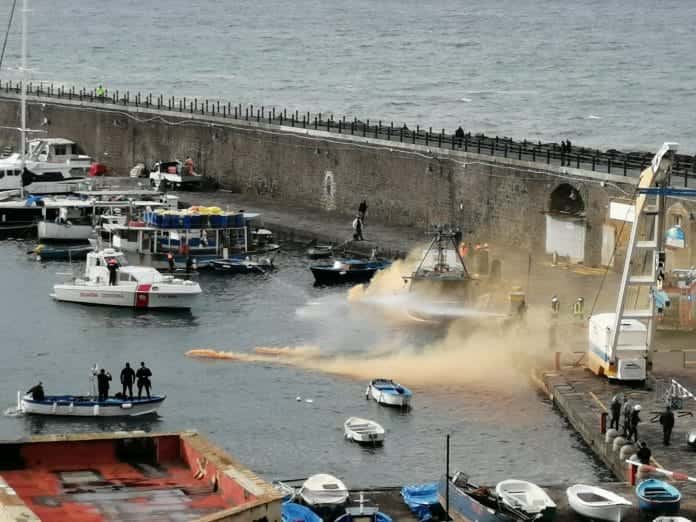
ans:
(23, 131)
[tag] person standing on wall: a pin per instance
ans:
(362, 210)
(357, 227)
(615, 412)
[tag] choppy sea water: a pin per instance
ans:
(614, 74)
(250, 408)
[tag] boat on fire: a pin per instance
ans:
(137, 286)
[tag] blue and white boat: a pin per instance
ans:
(657, 495)
(363, 513)
(85, 406)
(293, 512)
(348, 271)
(471, 503)
(388, 392)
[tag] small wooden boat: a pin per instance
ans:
(61, 253)
(81, 406)
(657, 495)
(347, 271)
(472, 503)
(363, 431)
(363, 513)
(597, 503)
(388, 392)
(526, 497)
(323, 490)
(243, 265)
(320, 251)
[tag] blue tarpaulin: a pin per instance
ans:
(292, 512)
(419, 498)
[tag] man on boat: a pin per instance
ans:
(358, 226)
(127, 380)
(103, 378)
(172, 264)
(189, 264)
(143, 376)
(112, 266)
(37, 392)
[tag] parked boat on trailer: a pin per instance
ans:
(136, 286)
(363, 431)
(388, 392)
(597, 503)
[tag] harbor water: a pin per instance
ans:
(250, 406)
(590, 71)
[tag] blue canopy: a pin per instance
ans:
(419, 498)
(292, 512)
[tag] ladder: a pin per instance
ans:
(649, 211)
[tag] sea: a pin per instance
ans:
(608, 74)
(280, 417)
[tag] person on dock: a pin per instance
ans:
(644, 454)
(127, 380)
(189, 264)
(112, 266)
(37, 392)
(633, 423)
(615, 408)
(172, 264)
(626, 412)
(143, 375)
(667, 421)
(459, 133)
(362, 209)
(103, 378)
(357, 227)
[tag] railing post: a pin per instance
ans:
(594, 163)
(548, 156)
(519, 152)
(609, 166)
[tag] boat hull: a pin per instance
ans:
(363, 431)
(400, 400)
(330, 276)
(464, 508)
(236, 266)
(127, 296)
(70, 406)
(50, 231)
(611, 512)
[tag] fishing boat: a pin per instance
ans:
(243, 265)
(86, 406)
(388, 392)
(44, 252)
(323, 490)
(137, 286)
(526, 497)
(363, 513)
(657, 495)
(363, 431)
(597, 503)
(469, 502)
(348, 271)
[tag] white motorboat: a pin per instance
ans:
(526, 497)
(671, 519)
(597, 503)
(323, 490)
(386, 391)
(137, 286)
(363, 430)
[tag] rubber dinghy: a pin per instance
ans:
(657, 495)
(527, 497)
(597, 503)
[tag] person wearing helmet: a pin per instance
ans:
(626, 410)
(635, 420)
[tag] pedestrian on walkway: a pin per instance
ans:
(626, 410)
(615, 408)
(633, 424)
(667, 421)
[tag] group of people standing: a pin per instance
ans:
(631, 418)
(128, 378)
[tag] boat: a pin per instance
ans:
(388, 392)
(597, 503)
(348, 271)
(137, 286)
(526, 497)
(89, 406)
(363, 430)
(317, 251)
(422, 500)
(363, 513)
(657, 495)
(469, 502)
(44, 252)
(129, 475)
(323, 490)
(671, 519)
(293, 512)
(175, 174)
(243, 265)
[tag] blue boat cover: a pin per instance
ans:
(32, 200)
(292, 512)
(419, 498)
(382, 517)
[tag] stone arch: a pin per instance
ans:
(566, 200)
(328, 191)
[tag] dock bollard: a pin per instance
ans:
(603, 422)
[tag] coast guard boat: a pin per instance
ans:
(137, 286)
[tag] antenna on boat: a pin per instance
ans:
(447, 476)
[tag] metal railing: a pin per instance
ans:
(610, 161)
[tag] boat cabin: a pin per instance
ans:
(55, 150)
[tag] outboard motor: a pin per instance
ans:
(691, 439)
